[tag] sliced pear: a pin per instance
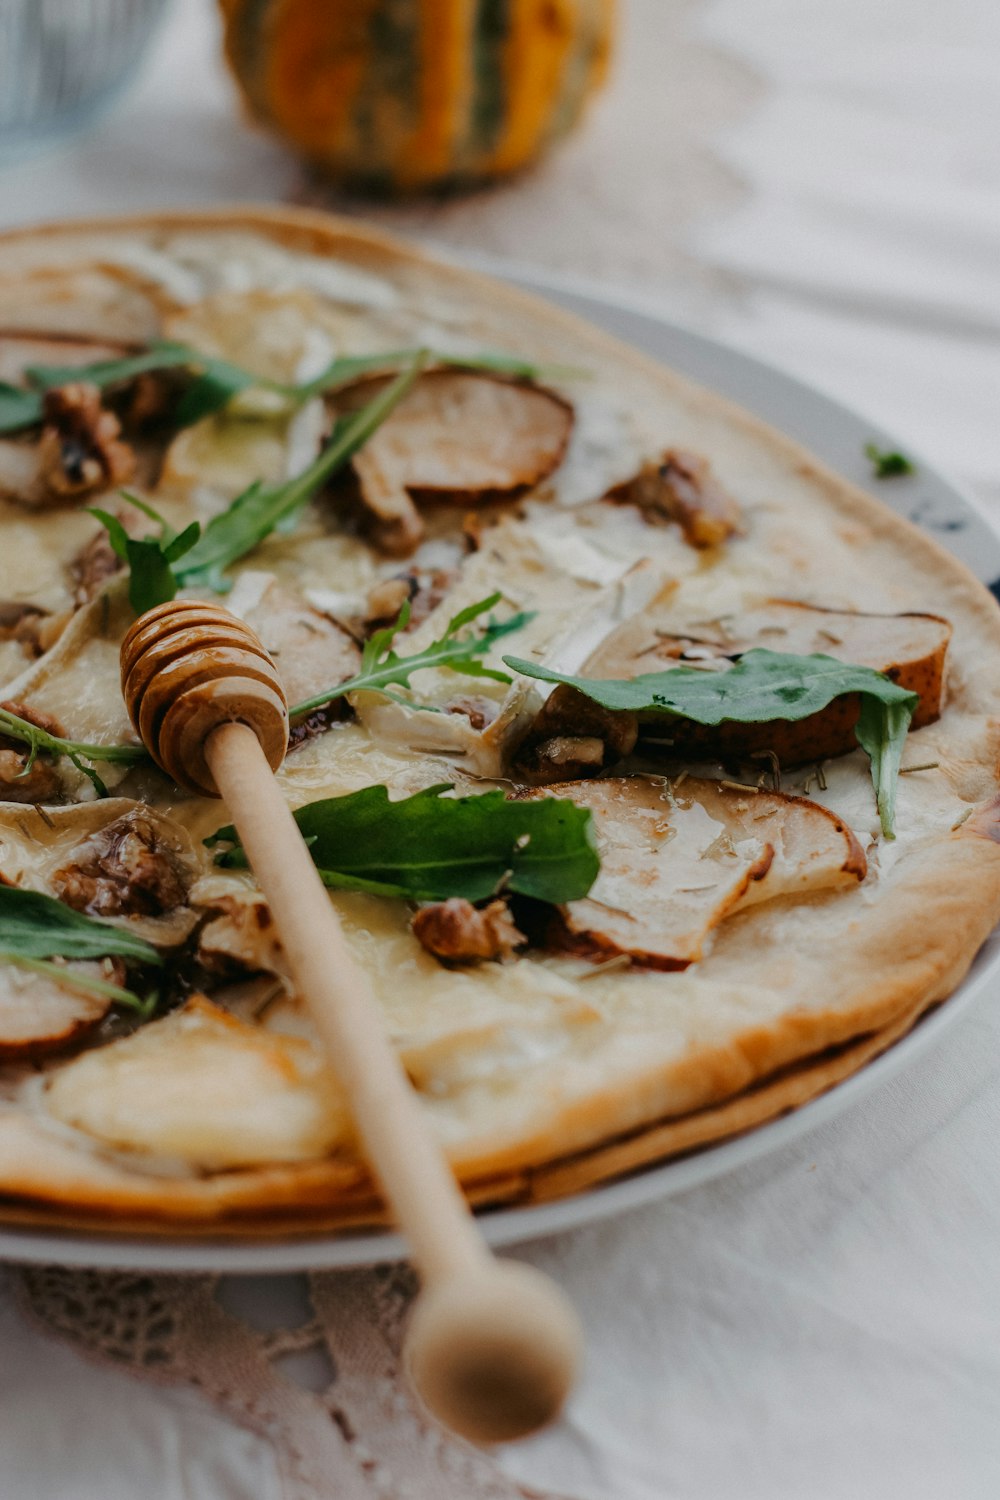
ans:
(676, 861)
(310, 651)
(207, 1089)
(680, 486)
(239, 937)
(457, 436)
(911, 649)
(90, 300)
(39, 1015)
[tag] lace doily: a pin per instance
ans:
(362, 1436)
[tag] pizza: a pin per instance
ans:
(651, 767)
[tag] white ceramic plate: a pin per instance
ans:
(838, 436)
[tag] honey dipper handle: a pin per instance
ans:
(493, 1347)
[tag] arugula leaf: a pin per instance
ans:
(881, 732)
(761, 687)
(382, 668)
(213, 389)
(887, 463)
(216, 380)
(150, 559)
(78, 751)
(18, 408)
(347, 368)
(255, 513)
(430, 847)
(161, 355)
(36, 928)
(510, 364)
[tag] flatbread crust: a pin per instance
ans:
(539, 1082)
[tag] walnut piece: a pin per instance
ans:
(573, 736)
(457, 932)
(240, 938)
(424, 588)
(480, 712)
(92, 566)
(680, 487)
(125, 869)
(79, 450)
(26, 624)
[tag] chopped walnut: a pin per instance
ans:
(79, 450)
(680, 487)
(92, 566)
(310, 726)
(24, 623)
(240, 938)
(571, 755)
(150, 399)
(423, 587)
(124, 869)
(573, 736)
(457, 932)
(40, 784)
(385, 600)
(480, 712)
(472, 530)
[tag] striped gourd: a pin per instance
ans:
(401, 95)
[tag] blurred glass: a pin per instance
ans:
(64, 61)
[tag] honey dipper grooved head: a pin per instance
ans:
(188, 667)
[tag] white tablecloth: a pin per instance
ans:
(820, 184)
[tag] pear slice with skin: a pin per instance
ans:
(911, 649)
(676, 861)
(458, 436)
(39, 1015)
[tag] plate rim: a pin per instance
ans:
(507, 1227)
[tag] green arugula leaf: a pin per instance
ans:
(509, 364)
(887, 463)
(213, 389)
(18, 408)
(352, 367)
(382, 668)
(255, 513)
(35, 928)
(161, 355)
(430, 847)
(82, 754)
(152, 579)
(347, 368)
(217, 381)
(761, 687)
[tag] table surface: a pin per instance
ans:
(820, 185)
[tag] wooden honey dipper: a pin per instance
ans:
(492, 1346)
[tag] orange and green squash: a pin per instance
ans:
(410, 95)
